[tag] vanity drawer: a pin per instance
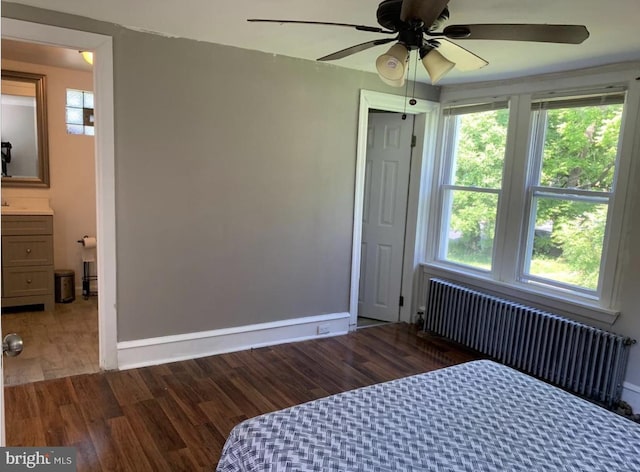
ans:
(27, 251)
(26, 281)
(26, 224)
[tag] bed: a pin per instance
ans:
(477, 416)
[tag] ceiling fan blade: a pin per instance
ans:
(372, 29)
(464, 59)
(569, 34)
(426, 10)
(357, 48)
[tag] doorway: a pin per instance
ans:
(388, 161)
(62, 339)
(425, 114)
(102, 47)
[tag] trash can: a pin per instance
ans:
(65, 286)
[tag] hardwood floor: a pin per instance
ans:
(56, 344)
(177, 416)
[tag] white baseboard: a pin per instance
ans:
(631, 395)
(153, 351)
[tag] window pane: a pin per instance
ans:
(75, 116)
(74, 98)
(480, 147)
(88, 99)
(580, 147)
(75, 129)
(471, 228)
(89, 131)
(567, 241)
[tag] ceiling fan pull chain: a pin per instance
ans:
(413, 100)
(406, 91)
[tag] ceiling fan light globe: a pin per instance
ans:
(392, 64)
(436, 65)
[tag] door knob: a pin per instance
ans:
(12, 345)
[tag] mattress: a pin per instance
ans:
(477, 416)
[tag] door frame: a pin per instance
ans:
(425, 127)
(102, 47)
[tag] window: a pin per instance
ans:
(573, 154)
(536, 219)
(472, 183)
(79, 112)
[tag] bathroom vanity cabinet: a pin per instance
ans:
(27, 261)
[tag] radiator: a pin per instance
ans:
(582, 359)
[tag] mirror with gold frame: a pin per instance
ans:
(25, 142)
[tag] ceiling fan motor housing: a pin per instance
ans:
(388, 15)
(411, 38)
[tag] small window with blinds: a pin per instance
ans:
(474, 154)
(79, 112)
(571, 182)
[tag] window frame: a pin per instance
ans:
(445, 190)
(88, 114)
(504, 279)
(535, 190)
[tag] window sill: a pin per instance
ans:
(526, 294)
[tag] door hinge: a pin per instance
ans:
(413, 140)
(401, 301)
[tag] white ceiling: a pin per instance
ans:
(615, 35)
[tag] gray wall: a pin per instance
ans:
(234, 184)
(629, 260)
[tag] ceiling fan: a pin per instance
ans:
(416, 25)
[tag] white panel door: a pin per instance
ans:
(384, 214)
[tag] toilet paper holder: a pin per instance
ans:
(87, 241)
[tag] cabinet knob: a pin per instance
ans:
(28, 281)
(28, 250)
